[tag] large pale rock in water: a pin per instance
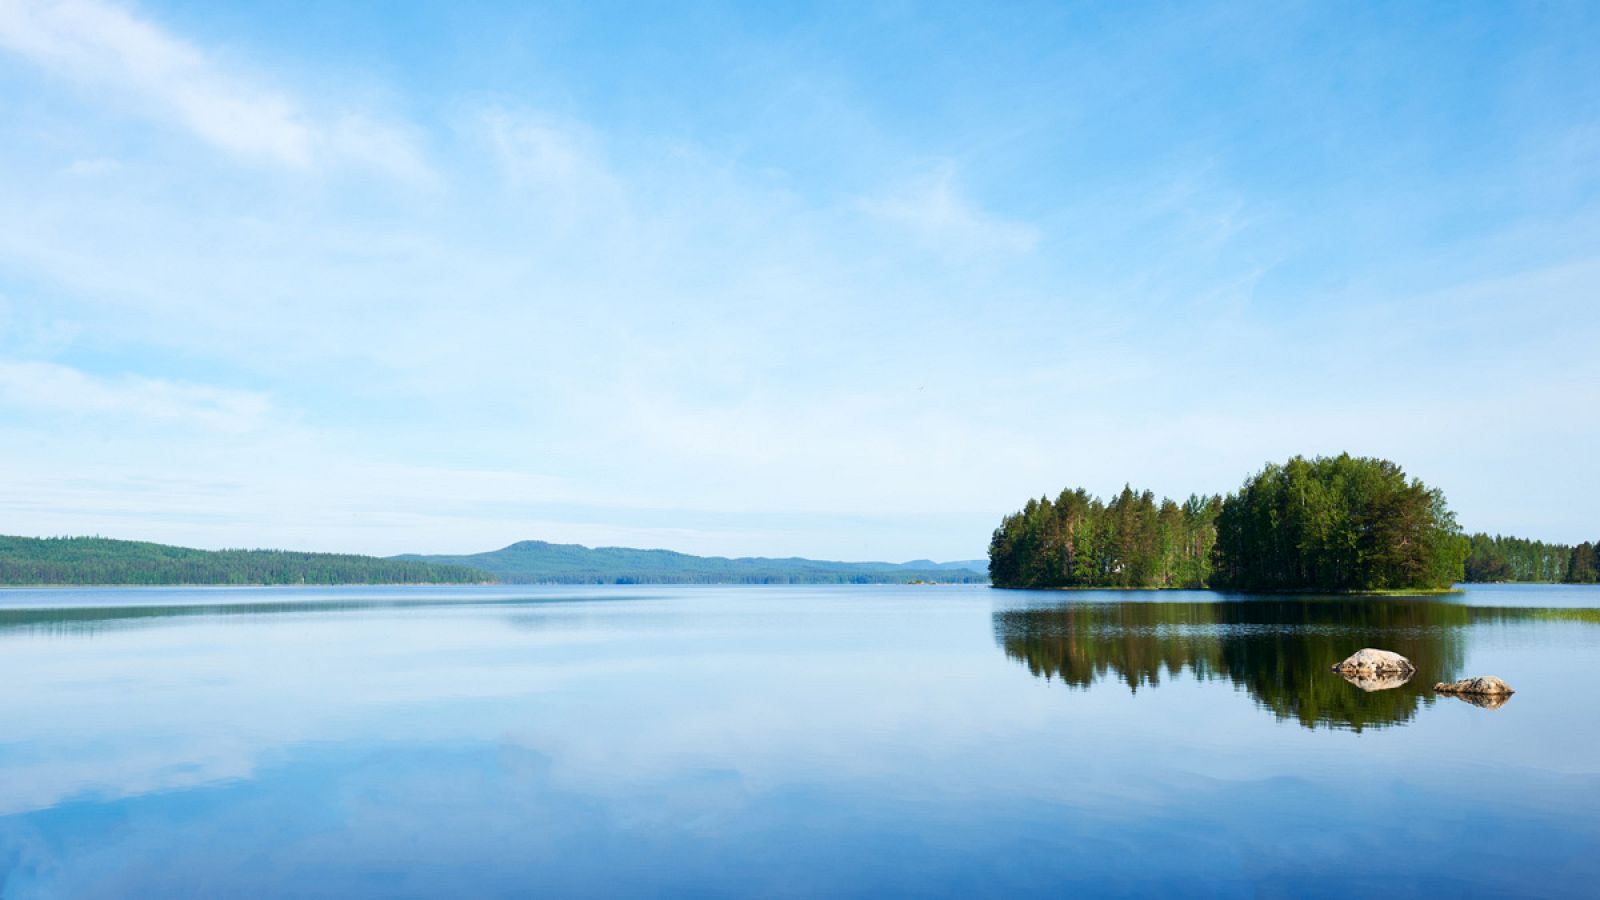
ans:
(1375, 662)
(1477, 686)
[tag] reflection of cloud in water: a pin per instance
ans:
(117, 771)
(162, 709)
(616, 692)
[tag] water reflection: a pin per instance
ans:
(1370, 683)
(846, 741)
(86, 621)
(1483, 701)
(1281, 650)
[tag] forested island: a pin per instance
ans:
(1339, 524)
(1077, 540)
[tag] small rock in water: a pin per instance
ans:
(1375, 662)
(1480, 685)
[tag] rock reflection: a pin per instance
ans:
(1483, 701)
(1370, 683)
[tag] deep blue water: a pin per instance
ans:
(838, 741)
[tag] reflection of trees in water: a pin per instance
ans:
(1279, 650)
(91, 620)
(88, 621)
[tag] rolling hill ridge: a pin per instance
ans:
(28, 561)
(535, 562)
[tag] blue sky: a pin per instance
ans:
(840, 280)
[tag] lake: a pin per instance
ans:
(838, 741)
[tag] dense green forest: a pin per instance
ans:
(90, 560)
(1500, 558)
(539, 562)
(1077, 540)
(1339, 523)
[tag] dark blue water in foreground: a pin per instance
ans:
(861, 741)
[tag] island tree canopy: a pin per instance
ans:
(1079, 541)
(1339, 523)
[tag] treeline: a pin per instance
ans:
(1326, 524)
(1500, 558)
(1078, 541)
(88, 560)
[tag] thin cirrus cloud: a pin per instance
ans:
(559, 162)
(107, 48)
(933, 206)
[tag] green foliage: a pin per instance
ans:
(1583, 565)
(1079, 541)
(1340, 523)
(87, 560)
(1502, 558)
(538, 562)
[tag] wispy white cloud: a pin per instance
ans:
(560, 163)
(933, 206)
(385, 147)
(109, 48)
(52, 388)
(89, 168)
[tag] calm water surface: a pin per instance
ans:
(861, 741)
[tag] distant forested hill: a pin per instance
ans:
(88, 560)
(531, 562)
